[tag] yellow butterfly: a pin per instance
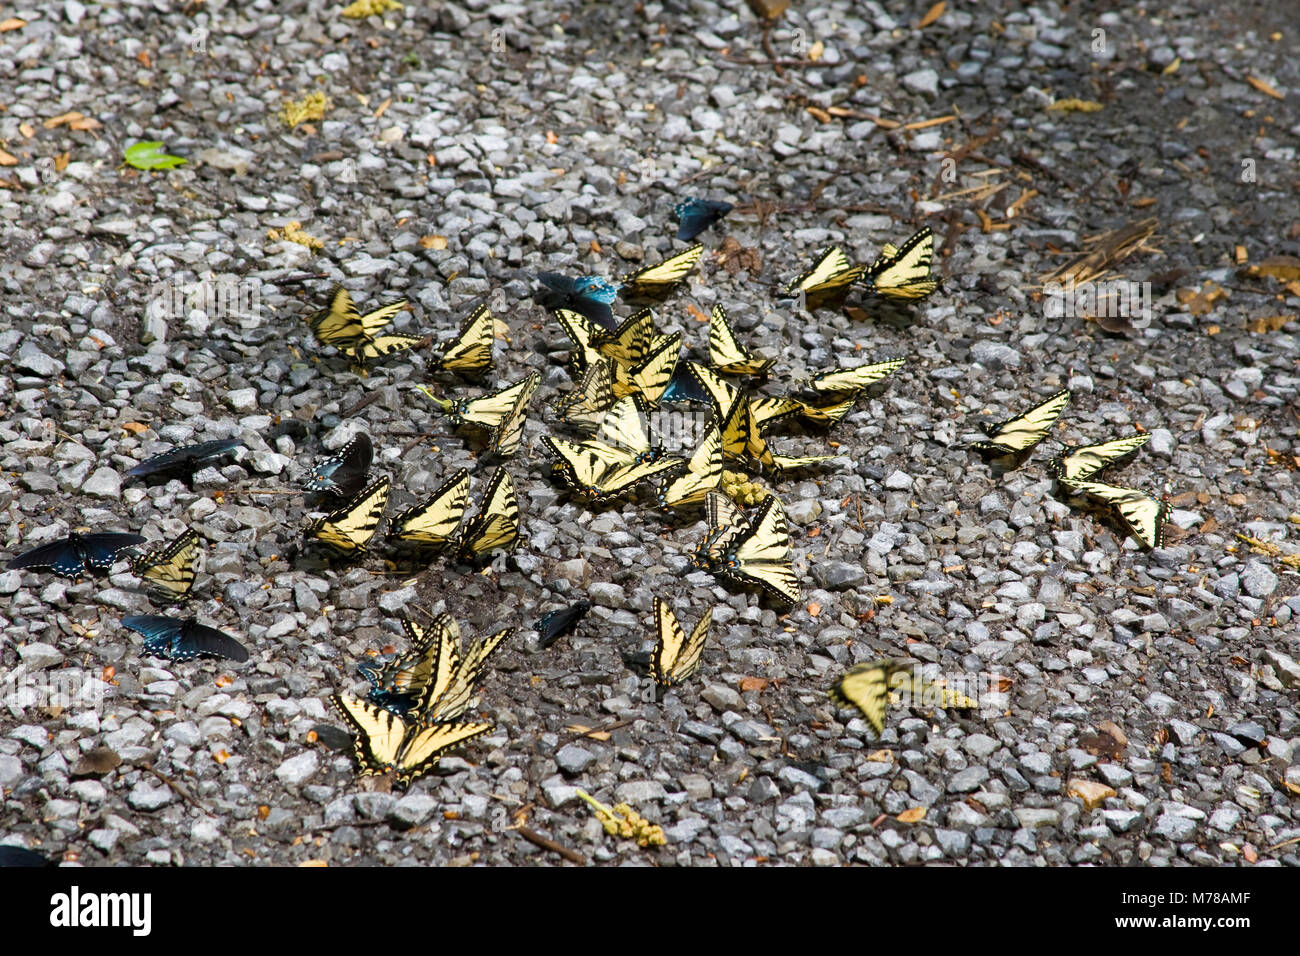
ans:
(349, 529)
(827, 282)
(676, 657)
(658, 280)
(904, 272)
(726, 354)
(1021, 432)
(385, 743)
(470, 351)
(433, 522)
(496, 526)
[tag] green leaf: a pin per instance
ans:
(151, 156)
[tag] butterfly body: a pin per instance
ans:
(348, 530)
(183, 462)
(343, 474)
(696, 215)
(77, 554)
(675, 656)
(1019, 433)
(168, 572)
(181, 640)
(561, 622)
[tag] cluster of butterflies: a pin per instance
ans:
(167, 570)
(1076, 469)
(898, 272)
(412, 713)
(432, 525)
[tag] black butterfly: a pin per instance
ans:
(185, 461)
(15, 856)
(78, 553)
(696, 215)
(556, 624)
(589, 296)
(180, 640)
(344, 474)
(684, 387)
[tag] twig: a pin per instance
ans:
(369, 399)
(546, 843)
(185, 794)
(593, 730)
(769, 49)
(419, 440)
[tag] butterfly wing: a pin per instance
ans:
(726, 354)
(433, 522)
(344, 474)
(583, 334)
(627, 425)
(488, 411)
(866, 687)
(496, 526)
(509, 435)
(181, 640)
(381, 345)
(587, 296)
(703, 474)
(349, 529)
(830, 275)
(631, 341)
(377, 733)
(650, 377)
(375, 320)
(339, 323)
(696, 215)
(761, 554)
(1022, 432)
(904, 272)
(470, 351)
(423, 746)
(586, 405)
(558, 623)
(1144, 514)
(184, 460)
(74, 555)
(658, 280)
(854, 379)
(169, 571)
(453, 699)
(692, 652)
(669, 640)
(1080, 464)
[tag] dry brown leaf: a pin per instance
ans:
(433, 242)
(383, 107)
(1091, 792)
(754, 683)
(13, 23)
(61, 119)
(134, 428)
(934, 13)
(61, 161)
(820, 115)
(1269, 323)
(1249, 853)
(1202, 301)
(1285, 268)
(914, 815)
(8, 159)
(814, 608)
(1263, 87)
(85, 123)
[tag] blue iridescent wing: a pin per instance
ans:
(684, 387)
(76, 554)
(384, 676)
(589, 296)
(696, 215)
(344, 474)
(181, 640)
(556, 624)
(184, 460)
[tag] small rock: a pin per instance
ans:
(297, 770)
(1258, 580)
(103, 483)
(572, 759)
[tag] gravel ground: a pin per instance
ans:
(555, 136)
